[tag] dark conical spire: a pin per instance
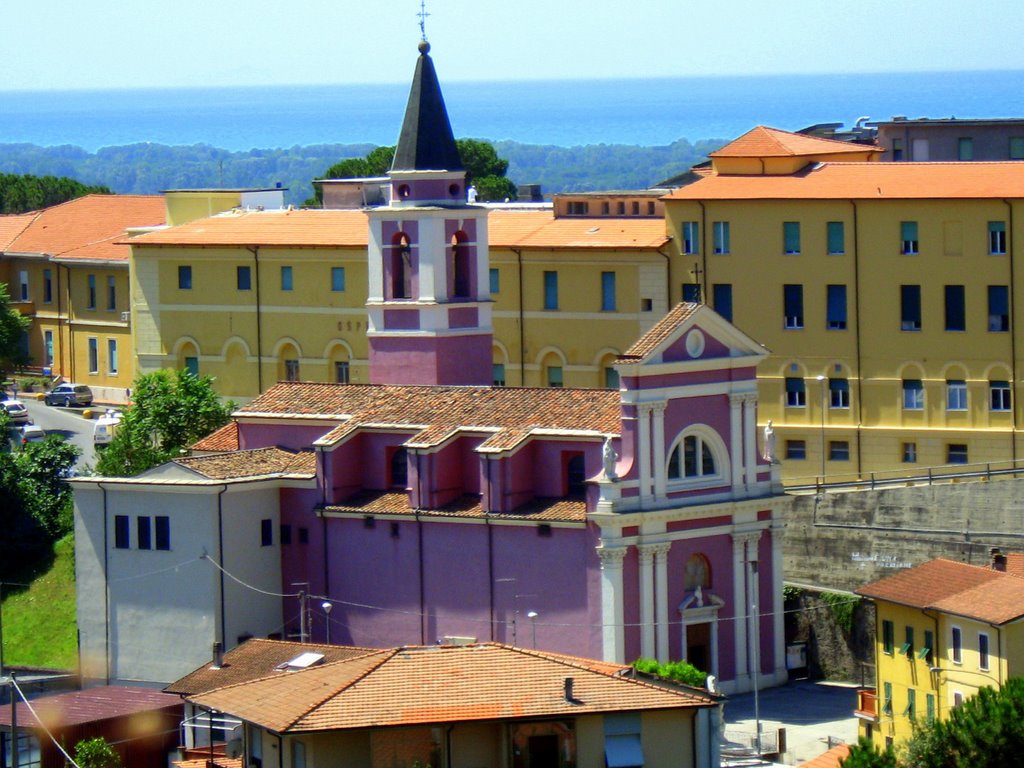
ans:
(426, 142)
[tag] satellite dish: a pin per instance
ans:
(233, 748)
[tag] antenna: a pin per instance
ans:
(423, 19)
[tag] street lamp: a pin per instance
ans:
(532, 616)
(326, 605)
(821, 381)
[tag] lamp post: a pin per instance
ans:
(821, 402)
(326, 605)
(532, 616)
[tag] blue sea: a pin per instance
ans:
(648, 112)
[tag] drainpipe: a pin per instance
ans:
(323, 520)
(255, 251)
(522, 320)
(106, 589)
(419, 546)
(704, 238)
(668, 278)
(280, 750)
(223, 565)
(71, 334)
(1013, 331)
(857, 338)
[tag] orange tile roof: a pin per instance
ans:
(544, 510)
(298, 228)
(661, 330)
(261, 462)
(224, 439)
(831, 759)
(255, 659)
(89, 227)
(441, 684)
(972, 591)
(91, 705)
(515, 412)
(13, 225)
(540, 229)
(762, 141)
(867, 181)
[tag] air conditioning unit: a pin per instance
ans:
(126, 317)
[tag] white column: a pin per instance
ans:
(714, 647)
(754, 608)
(739, 608)
(646, 601)
(643, 433)
(736, 441)
(778, 616)
(661, 607)
(612, 615)
(750, 439)
(660, 480)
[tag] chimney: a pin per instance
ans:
(568, 691)
(998, 559)
(218, 655)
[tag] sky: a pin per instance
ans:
(70, 44)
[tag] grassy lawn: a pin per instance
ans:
(39, 621)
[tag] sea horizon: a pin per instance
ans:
(559, 112)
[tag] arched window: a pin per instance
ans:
(399, 469)
(692, 458)
(461, 282)
(698, 572)
(401, 267)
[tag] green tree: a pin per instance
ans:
(19, 194)
(169, 412)
(96, 753)
(864, 754)
(13, 326)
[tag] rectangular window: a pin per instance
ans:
(791, 237)
(721, 294)
(836, 308)
(888, 635)
(607, 291)
(793, 306)
(913, 395)
(635, 207)
(498, 374)
(910, 307)
(337, 279)
(965, 148)
(162, 525)
(839, 393)
(495, 278)
(997, 238)
(956, 314)
(836, 231)
(721, 236)
(143, 532)
(243, 278)
(998, 308)
(982, 650)
(23, 285)
(897, 149)
(341, 372)
(555, 376)
(999, 395)
(956, 395)
(910, 453)
(887, 698)
(796, 449)
(91, 281)
(185, 277)
(286, 278)
(111, 293)
(611, 378)
(47, 286)
(47, 348)
(192, 365)
(291, 370)
(578, 208)
(691, 241)
(550, 290)
(956, 645)
(266, 532)
(908, 238)
(929, 708)
(796, 394)
(956, 453)
(94, 355)
(911, 710)
(691, 292)
(908, 646)
(1017, 147)
(121, 532)
(839, 450)
(112, 355)
(927, 653)
(285, 532)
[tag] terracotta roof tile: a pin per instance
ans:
(513, 412)
(13, 225)
(89, 227)
(396, 503)
(972, 591)
(661, 330)
(254, 659)
(261, 462)
(409, 686)
(1015, 563)
(224, 439)
(91, 705)
(867, 181)
(762, 141)
(831, 759)
(540, 229)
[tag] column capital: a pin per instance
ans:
(746, 537)
(659, 408)
(611, 557)
(659, 549)
(736, 398)
(749, 397)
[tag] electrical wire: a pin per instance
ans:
(155, 573)
(234, 578)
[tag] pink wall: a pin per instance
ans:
(429, 189)
(457, 360)
(463, 317)
(282, 433)
(402, 319)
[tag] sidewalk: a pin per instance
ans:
(811, 712)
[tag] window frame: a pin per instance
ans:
(910, 308)
(955, 308)
(913, 395)
(956, 395)
(984, 649)
(287, 278)
(956, 645)
(791, 238)
(795, 392)
(608, 292)
(494, 280)
(836, 315)
(796, 450)
(998, 308)
(337, 279)
(721, 296)
(1000, 396)
(839, 393)
(551, 290)
(793, 306)
(888, 637)
(835, 232)
(838, 450)
(184, 277)
(90, 282)
(910, 243)
(997, 238)
(691, 237)
(243, 277)
(957, 453)
(111, 293)
(721, 237)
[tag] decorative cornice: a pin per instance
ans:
(611, 557)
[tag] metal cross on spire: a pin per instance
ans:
(423, 19)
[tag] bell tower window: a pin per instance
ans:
(401, 267)
(460, 266)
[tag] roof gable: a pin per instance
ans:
(692, 333)
(762, 141)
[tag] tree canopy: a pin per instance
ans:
(13, 326)
(19, 194)
(96, 753)
(169, 412)
(682, 671)
(484, 169)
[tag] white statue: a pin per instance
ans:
(698, 596)
(471, 194)
(768, 453)
(609, 457)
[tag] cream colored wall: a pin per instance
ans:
(475, 745)
(185, 206)
(336, 749)
(590, 741)
(667, 737)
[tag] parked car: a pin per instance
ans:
(16, 411)
(69, 395)
(32, 433)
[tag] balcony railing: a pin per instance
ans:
(946, 473)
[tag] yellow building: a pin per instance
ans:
(255, 297)
(943, 630)
(885, 292)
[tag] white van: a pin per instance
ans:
(106, 426)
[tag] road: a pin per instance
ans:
(67, 422)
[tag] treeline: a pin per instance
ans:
(150, 168)
(26, 192)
